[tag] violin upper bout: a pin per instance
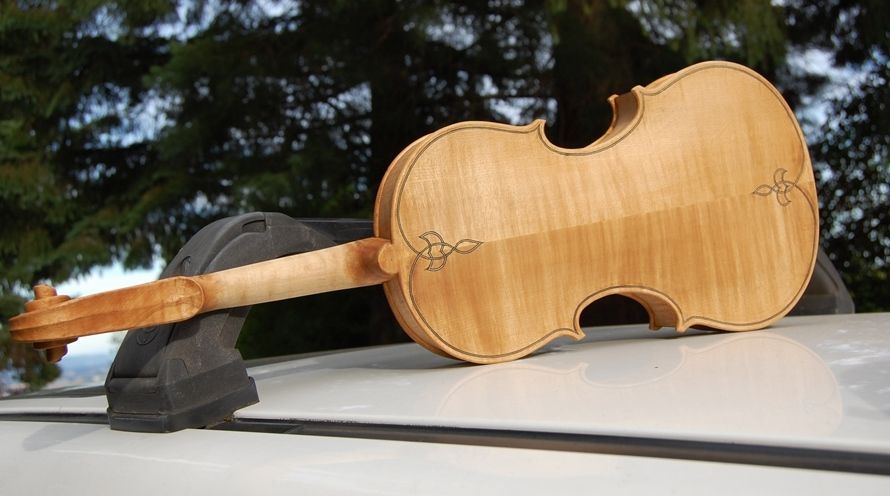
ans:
(457, 298)
(455, 204)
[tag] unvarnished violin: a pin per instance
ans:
(698, 202)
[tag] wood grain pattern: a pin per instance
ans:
(699, 203)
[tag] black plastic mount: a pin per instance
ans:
(177, 376)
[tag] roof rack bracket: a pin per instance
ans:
(189, 374)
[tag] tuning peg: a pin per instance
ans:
(46, 297)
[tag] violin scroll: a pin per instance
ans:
(46, 297)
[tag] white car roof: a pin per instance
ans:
(808, 382)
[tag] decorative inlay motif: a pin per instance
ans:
(437, 250)
(780, 187)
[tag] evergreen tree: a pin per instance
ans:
(850, 138)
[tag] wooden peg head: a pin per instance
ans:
(45, 297)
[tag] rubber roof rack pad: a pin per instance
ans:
(189, 374)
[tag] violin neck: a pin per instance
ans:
(365, 262)
(51, 318)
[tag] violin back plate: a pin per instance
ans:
(699, 202)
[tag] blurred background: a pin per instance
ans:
(126, 126)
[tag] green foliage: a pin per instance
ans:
(65, 196)
(125, 126)
(851, 148)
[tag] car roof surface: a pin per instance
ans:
(807, 382)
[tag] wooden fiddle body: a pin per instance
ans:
(699, 203)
